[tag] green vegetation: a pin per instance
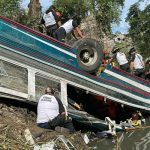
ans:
(139, 31)
(12, 10)
(9, 8)
(106, 12)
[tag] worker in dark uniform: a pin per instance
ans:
(50, 20)
(68, 27)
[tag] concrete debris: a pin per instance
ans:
(85, 138)
(29, 137)
(47, 146)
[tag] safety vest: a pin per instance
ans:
(49, 19)
(136, 123)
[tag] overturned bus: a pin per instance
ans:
(30, 61)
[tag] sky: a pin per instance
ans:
(45, 3)
(122, 27)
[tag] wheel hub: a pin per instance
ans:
(86, 55)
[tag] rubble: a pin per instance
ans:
(18, 131)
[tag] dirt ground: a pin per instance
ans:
(18, 131)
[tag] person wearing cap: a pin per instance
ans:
(136, 63)
(68, 27)
(50, 20)
(121, 59)
(51, 113)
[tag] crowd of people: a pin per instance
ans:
(50, 111)
(52, 21)
(134, 64)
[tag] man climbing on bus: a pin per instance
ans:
(68, 27)
(50, 20)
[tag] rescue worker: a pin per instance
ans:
(68, 27)
(136, 63)
(106, 57)
(51, 113)
(60, 17)
(50, 20)
(104, 62)
(136, 119)
(121, 59)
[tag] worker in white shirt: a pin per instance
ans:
(137, 65)
(51, 21)
(121, 59)
(51, 113)
(68, 27)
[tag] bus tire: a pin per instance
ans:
(89, 54)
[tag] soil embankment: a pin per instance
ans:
(15, 120)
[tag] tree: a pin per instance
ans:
(12, 10)
(34, 14)
(9, 8)
(69, 7)
(106, 12)
(139, 30)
